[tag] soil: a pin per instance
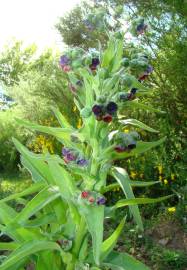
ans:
(169, 234)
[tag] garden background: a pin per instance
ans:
(32, 82)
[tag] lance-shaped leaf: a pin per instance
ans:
(94, 217)
(62, 134)
(110, 242)
(127, 202)
(34, 188)
(138, 124)
(108, 53)
(61, 119)
(27, 249)
(123, 261)
(42, 199)
(123, 179)
(140, 105)
(62, 179)
(35, 164)
(118, 55)
(9, 246)
(133, 183)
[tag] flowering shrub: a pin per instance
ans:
(62, 226)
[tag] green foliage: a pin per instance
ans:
(8, 154)
(14, 60)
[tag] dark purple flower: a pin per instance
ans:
(97, 110)
(64, 60)
(101, 201)
(95, 63)
(141, 28)
(82, 162)
(134, 90)
(65, 151)
(70, 157)
(132, 145)
(149, 69)
(111, 107)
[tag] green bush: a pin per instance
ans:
(9, 157)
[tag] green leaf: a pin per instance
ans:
(133, 183)
(108, 54)
(34, 188)
(94, 217)
(123, 261)
(7, 213)
(42, 199)
(35, 165)
(118, 55)
(62, 134)
(127, 202)
(31, 247)
(9, 246)
(137, 123)
(123, 179)
(139, 105)
(61, 119)
(43, 220)
(62, 179)
(110, 242)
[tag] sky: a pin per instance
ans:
(32, 21)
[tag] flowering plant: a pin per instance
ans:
(62, 226)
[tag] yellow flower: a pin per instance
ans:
(165, 181)
(171, 209)
(133, 174)
(160, 169)
(172, 176)
(126, 130)
(79, 124)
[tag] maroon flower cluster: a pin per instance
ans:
(128, 96)
(125, 142)
(65, 63)
(92, 198)
(70, 156)
(105, 113)
(141, 28)
(146, 73)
